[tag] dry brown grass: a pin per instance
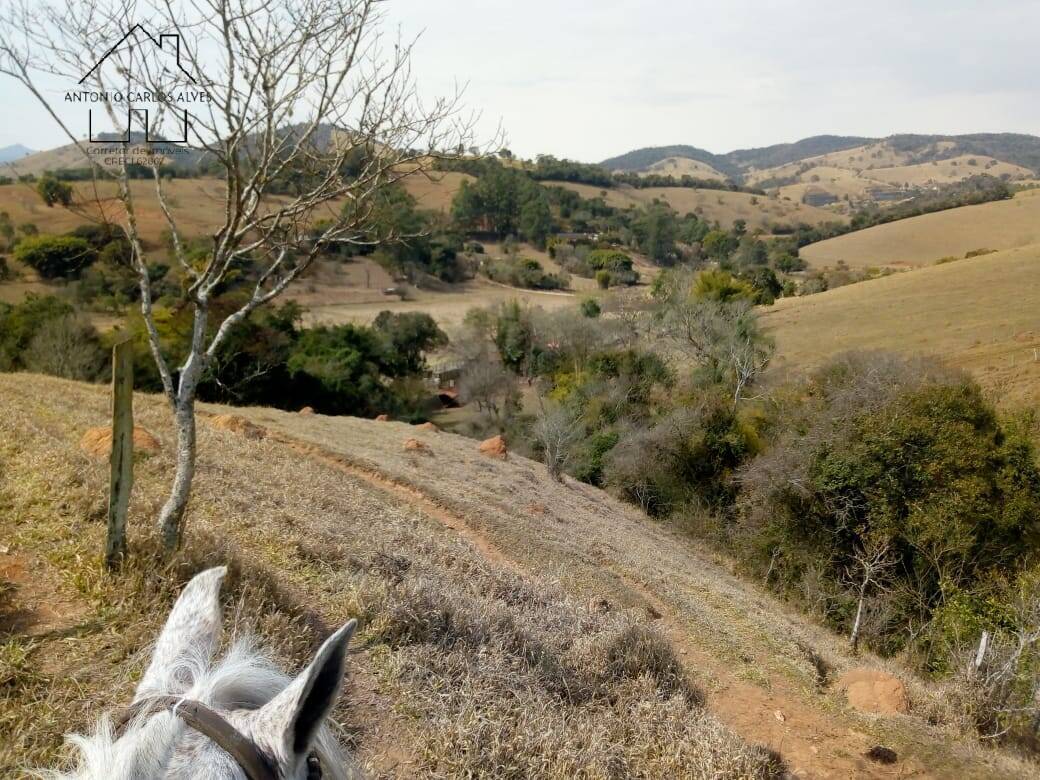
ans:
(684, 166)
(947, 171)
(920, 241)
(435, 191)
(978, 313)
(860, 158)
(712, 205)
(464, 667)
(750, 654)
(196, 204)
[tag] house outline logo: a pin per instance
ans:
(173, 43)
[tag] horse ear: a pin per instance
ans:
(189, 638)
(292, 718)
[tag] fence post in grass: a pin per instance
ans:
(122, 458)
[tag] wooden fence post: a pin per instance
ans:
(122, 458)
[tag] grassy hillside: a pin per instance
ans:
(920, 241)
(435, 191)
(641, 159)
(510, 626)
(337, 293)
(196, 203)
(946, 171)
(979, 314)
(684, 166)
(758, 211)
(857, 171)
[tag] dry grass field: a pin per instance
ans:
(510, 626)
(684, 166)
(920, 241)
(979, 314)
(195, 203)
(335, 293)
(67, 156)
(435, 191)
(850, 159)
(758, 211)
(946, 171)
(447, 307)
(853, 173)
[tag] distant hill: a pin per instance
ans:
(845, 174)
(781, 154)
(733, 162)
(70, 156)
(641, 159)
(14, 152)
(1015, 148)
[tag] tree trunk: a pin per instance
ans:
(172, 513)
(854, 639)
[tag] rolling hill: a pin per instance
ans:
(1017, 149)
(14, 152)
(977, 313)
(921, 241)
(506, 620)
(844, 173)
(758, 211)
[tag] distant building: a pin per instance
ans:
(817, 196)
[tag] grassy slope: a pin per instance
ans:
(684, 166)
(197, 204)
(920, 241)
(978, 313)
(720, 205)
(466, 666)
(351, 524)
(747, 651)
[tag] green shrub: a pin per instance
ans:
(54, 257)
(905, 454)
(524, 272)
(53, 191)
(718, 285)
(604, 278)
(590, 308)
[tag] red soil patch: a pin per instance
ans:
(98, 442)
(414, 445)
(495, 447)
(235, 424)
(872, 690)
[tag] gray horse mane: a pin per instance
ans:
(161, 745)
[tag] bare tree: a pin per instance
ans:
(999, 681)
(490, 385)
(65, 346)
(722, 338)
(749, 355)
(557, 430)
(300, 92)
(873, 561)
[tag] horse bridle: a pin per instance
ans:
(256, 764)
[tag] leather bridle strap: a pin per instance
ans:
(206, 721)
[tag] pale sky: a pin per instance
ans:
(588, 80)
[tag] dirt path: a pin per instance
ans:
(814, 738)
